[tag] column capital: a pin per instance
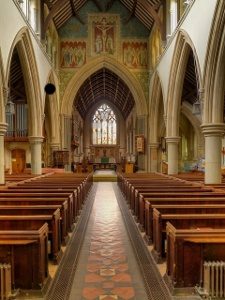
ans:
(3, 128)
(55, 146)
(213, 129)
(36, 139)
(153, 145)
(172, 139)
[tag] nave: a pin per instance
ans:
(106, 266)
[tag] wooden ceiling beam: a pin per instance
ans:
(150, 9)
(132, 13)
(75, 13)
(54, 10)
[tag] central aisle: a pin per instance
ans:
(107, 267)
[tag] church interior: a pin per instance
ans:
(112, 140)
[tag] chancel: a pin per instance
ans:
(112, 149)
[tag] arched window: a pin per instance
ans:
(104, 126)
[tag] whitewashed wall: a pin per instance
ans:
(11, 22)
(197, 25)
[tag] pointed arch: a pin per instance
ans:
(2, 87)
(156, 98)
(181, 53)
(53, 112)
(95, 65)
(31, 79)
(196, 123)
(214, 72)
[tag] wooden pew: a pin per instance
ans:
(193, 206)
(28, 222)
(29, 209)
(74, 199)
(186, 251)
(163, 192)
(140, 200)
(172, 198)
(41, 201)
(27, 252)
(45, 195)
(180, 221)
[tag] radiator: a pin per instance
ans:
(5, 278)
(214, 278)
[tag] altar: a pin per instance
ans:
(104, 163)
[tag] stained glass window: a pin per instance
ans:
(104, 126)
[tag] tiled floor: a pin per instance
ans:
(107, 267)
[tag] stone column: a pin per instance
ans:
(213, 145)
(35, 145)
(153, 156)
(173, 155)
(3, 127)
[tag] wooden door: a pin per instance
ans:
(18, 161)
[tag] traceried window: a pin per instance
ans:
(104, 126)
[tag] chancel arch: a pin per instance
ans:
(114, 66)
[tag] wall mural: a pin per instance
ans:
(73, 54)
(104, 34)
(135, 54)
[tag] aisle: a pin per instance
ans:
(107, 268)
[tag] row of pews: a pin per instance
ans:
(36, 216)
(184, 221)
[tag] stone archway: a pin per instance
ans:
(182, 49)
(177, 73)
(23, 44)
(116, 67)
(213, 126)
(31, 78)
(214, 73)
(154, 147)
(3, 124)
(2, 91)
(51, 124)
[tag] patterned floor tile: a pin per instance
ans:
(107, 275)
(91, 293)
(107, 272)
(121, 277)
(108, 297)
(93, 278)
(108, 285)
(124, 292)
